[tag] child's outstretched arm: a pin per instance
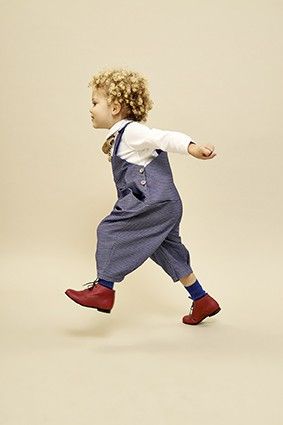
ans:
(139, 137)
(206, 151)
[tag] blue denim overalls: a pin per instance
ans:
(144, 222)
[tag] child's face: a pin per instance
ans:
(102, 114)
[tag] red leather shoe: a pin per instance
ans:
(200, 309)
(96, 296)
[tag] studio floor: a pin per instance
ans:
(63, 363)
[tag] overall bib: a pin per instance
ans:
(144, 222)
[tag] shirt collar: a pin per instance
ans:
(116, 127)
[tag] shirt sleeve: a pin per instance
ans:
(139, 137)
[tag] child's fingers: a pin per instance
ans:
(209, 154)
(206, 151)
(209, 147)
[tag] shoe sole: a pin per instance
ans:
(103, 310)
(209, 315)
(215, 312)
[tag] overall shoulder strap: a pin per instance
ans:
(119, 137)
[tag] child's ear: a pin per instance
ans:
(116, 107)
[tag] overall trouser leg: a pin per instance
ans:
(124, 245)
(173, 256)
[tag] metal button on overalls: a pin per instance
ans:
(144, 222)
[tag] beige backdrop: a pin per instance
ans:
(215, 73)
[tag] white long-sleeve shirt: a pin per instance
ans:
(139, 142)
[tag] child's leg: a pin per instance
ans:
(174, 258)
(193, 286)
(188, 280)
(107, 283)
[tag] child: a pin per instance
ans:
(144, 222)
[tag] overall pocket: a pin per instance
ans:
(130, 199)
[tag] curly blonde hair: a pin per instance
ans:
(127, 87)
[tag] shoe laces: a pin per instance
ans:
(91, 284)
(192, 307)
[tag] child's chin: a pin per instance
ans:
(97, 125)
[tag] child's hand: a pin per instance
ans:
(206, 151)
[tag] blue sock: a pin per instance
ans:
(106, 283)
(195, 290)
